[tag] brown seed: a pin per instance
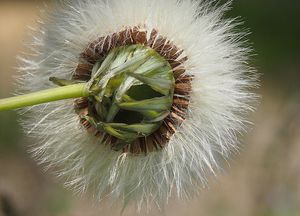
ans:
(83, 72)
(183, 88)
(142, 143)
(135, 147)
(181, 102)
(185, 79)
(153, 37)
(150, 144)
(178, 118)
(139, 37)
(178, 71)
(81, 103)
(170, 126)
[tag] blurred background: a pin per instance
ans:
(263, 180)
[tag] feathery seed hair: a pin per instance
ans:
(211, 97)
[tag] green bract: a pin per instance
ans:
(131, 93)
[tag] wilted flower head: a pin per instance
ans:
(174, 94)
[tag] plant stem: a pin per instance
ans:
(55, 94)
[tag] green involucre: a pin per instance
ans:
(133, 90)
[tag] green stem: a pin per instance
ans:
(55, 94)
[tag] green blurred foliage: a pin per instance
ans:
(275, 35)
(58, 202)
(10, 133)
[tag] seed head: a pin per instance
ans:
(171, 91)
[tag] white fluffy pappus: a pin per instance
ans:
(220, 99)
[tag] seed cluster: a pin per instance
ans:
(100, 48)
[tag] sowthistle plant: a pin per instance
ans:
(144, 97)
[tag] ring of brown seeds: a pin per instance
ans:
(176, 58)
